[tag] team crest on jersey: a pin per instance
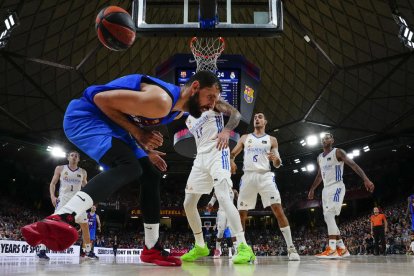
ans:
(249, 141)
(66, 173)
(248, 94)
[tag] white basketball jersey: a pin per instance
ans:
(255, 153)
(205, 129)
(70, 181)
(331, 168)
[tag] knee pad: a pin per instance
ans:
(329, 217)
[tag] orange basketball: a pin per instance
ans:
(115, 28)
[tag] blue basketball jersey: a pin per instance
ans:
(92, 221)
(133, 82)
(87, 127)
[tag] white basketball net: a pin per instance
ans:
(206, 51)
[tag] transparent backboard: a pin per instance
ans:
(180, 18)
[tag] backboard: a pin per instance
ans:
(181, 18)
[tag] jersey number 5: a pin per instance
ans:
(255, 158)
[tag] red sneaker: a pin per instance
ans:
(31, 234)
(157, 255)
(54, 232)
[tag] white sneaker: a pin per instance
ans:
(293, 254)
(217, 253)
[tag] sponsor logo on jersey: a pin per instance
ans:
(329, 159)
(264, 142)
(248, 94)
(78, 175)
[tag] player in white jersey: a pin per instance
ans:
(259, 150)
(331, 166)
(211, 168)
(71, 178)
(222, 223)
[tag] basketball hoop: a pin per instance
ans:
(206, 51)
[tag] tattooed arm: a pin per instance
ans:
(341, 156)
(234, 119)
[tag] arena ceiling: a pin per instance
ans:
(355, 78)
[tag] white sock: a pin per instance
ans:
(79, 203)
(287, 235)
(151, 234)
(42, 247)
(87, 248)
(340, 244)
(199, 239)
(332, 244)
(230, 253)
(240, 238)
(218, 245)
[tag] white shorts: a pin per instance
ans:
(253, 183)
(62, 200)
(209, 169)
(333, 197)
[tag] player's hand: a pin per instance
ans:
(209, 207)
(311, 194)
(223, 139)
(156, 159)
(233, 167)
(149, 140)
(272, 156)
(54, 200)
(369, 185)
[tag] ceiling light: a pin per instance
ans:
(310, 167)
(303, 169)
(101, 168)
(297, 161)
(350, 155)
(56, 151)
(356, 152)
(295, 171)
(312, 140)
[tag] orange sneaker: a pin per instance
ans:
(328, 254)
(343, 252)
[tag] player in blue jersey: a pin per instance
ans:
(94, 224)
(109, 123)
(410, 211)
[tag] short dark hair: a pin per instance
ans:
(206, 79)
(69, 152)
(259, 112)
(327, 133)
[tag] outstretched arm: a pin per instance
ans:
(236, 150)
(341, 156)
(234, 119)
(315, 184)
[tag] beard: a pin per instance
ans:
(194, 106)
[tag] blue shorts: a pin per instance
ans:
(92, 234)
(92, 131)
